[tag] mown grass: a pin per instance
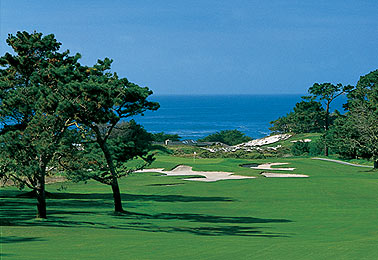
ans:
(331, 215)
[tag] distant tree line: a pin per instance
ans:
(229, 137)
(161, 137)
(353, 134)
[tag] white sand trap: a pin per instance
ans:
(183, 170)
(268, 166)
(283, 175)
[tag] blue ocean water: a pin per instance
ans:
(194, 117)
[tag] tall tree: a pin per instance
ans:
(99, 101)
(33, 116)
(363, 112)
(327, 93)
(342, 138)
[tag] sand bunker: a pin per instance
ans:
(183, 170)
(282, 175)
(268, 166)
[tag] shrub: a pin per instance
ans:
(300, 148)
(229, 137)
(316, 147)
(161, 137)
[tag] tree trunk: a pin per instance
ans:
(41, 196)
(376, 164)
(113, 173)
(325, 150)
(41, 203)
(116, 196)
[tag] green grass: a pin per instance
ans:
(331, 215)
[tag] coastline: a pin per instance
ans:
(196, 116)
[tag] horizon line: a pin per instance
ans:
(231, 94)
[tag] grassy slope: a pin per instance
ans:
(331, 215)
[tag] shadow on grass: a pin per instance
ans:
(249, 165)
(201, 218)
(134, 197)
(21, 212)
(14, 239)
(223, 230)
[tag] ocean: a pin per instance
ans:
(194, 117)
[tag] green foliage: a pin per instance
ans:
(161, 137)
(313, 148)
(83, 160)
(327, 93)
(43, 93)
(33, 116)
(241, 154)
(316, 147)
(229, 137)
(130, 141)
(307, 117)
(97, 102)
(356, 134)
(300, 148)
(185, 150)
(342, 138)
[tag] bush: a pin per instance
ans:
(229, 137)
(184, 150)
(161, 137)
(300, 148)
(316, 147)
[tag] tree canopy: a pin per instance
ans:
(362, 108)
(33, 117)
(50, 102)
(229, 137)
(327, 93)
(98, 101)
(307, 117)
(352, 135)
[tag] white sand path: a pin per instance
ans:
(342, 162)
(268, 166)
(183, 170)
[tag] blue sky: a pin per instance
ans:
(211, 46)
